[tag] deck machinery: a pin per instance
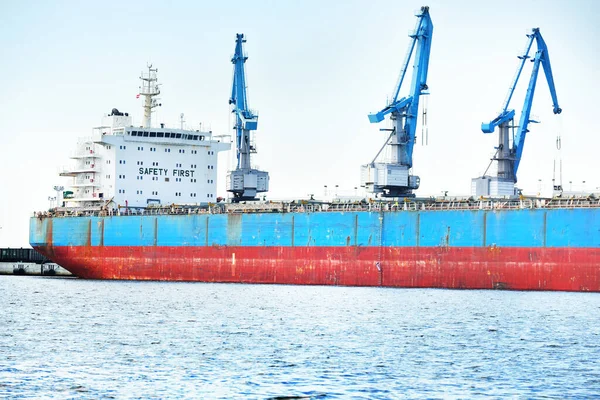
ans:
(394, 178)
(244, 182)
(512, 137)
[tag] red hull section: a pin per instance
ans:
(564, 269)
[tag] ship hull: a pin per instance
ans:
(409, 267)
(529, 249)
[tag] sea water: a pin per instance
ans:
(73, 338)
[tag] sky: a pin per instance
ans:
(316, 69)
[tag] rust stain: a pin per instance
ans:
(49, 230)
(494, 249)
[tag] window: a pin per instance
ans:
(145, 134)
(160, 134)
(166, 179)
(152, 134)
(167, 150)
(139, 192)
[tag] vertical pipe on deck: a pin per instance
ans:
(418, 228)
(155, 231)
(484, 228)
(355, 230)
(102, 231)
(88, 240)
(207, 219)
(292, 231)
(544, 227)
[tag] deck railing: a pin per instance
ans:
(310, 206)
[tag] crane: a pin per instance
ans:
(509, 156)
(393, 178)
(244, 182)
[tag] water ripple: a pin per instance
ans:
(69, 338)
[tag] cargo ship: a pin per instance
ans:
(142, 206)
(520, 245)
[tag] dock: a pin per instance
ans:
(27, 261)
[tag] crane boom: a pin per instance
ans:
(393, 179)
(244, 182)
(509, 156)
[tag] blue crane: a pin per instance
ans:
(244, 182)
(393, 179)
(509, 157)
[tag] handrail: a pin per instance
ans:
(309, 206)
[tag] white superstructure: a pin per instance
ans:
(137, 166)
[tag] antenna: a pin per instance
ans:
(182, 120)
(149, 89)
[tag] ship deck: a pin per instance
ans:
(313, 206)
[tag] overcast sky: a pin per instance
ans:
(316, 69)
